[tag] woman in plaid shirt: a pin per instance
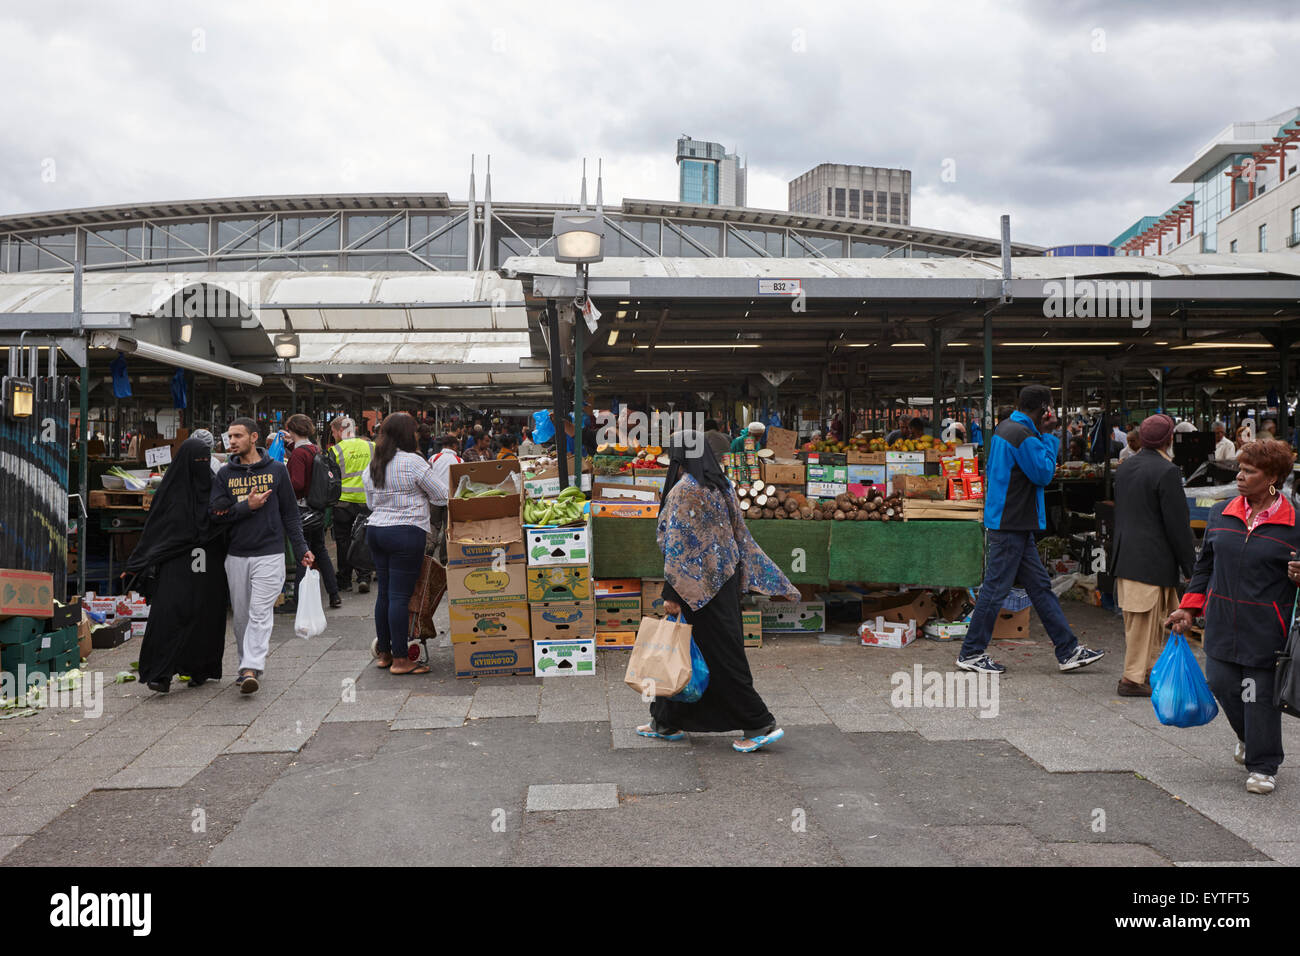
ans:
(400, 488)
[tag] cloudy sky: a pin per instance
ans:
(1071, 116)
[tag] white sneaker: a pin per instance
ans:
(1239, 754)
(1260, 783)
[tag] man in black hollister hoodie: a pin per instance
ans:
(253, 494)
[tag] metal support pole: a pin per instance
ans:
(83, 423)
(578, 322)
(1284, 385)
(936, 347)
(988, 380)
(557, 388)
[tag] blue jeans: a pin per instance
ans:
(1013, 556)
(398, 552)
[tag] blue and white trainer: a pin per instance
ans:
(984, 664)
(1082, 657)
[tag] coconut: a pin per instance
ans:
(761, 500)
(744, 504)
(770, 490)
(817, 515)
(839, 515)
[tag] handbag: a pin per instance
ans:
(359, 551)
(312, 518)
(1286, 676)
(430, 586)
(660, 665)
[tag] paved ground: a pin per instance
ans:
(335, 761)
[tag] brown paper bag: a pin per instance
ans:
(661, 659)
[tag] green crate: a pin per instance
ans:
(12, 656)
(67, 661)
(20, 630)
(60, 642)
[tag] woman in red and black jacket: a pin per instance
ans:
(301, 432)
(1245, 585)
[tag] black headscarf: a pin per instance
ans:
(178, 519)
(690, 454)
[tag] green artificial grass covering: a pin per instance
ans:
(934, 553)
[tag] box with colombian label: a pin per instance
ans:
(751, 623)
(563, 620)
(558, 546)
(621, 508)
(652, 597)
(493, 657)
(461, 554)
(564, 658)
(471, 622)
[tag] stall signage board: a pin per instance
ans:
(162, 455)
(789, 287)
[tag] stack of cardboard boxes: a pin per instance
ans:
(560, 601)
(35, 635)
(618, 612)
(487, 575)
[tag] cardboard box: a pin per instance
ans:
(899, 608)
(563, 620)
(564, 658)
(560, 583)
(626, 509)
(652, 597)
(933, 487)
(823, 458)
(547, 546)
(751, 624)
(793, 617)
(827, 481)
(606, 490)
(951, 467)
(866, 457)
(615, 640)
(905, 458)
(487, 534)
(842, 607)
(1011, 625)
(493, 657)
(26, 594)
(616, 587)
(462, 510)
(902, 468)
(550, 487)
(618, 613)
(105, 606)
(882, 633)
(783, 442)
(472, 622)
(651, 481)
(84, 643)
(970, 466)
(973, 486)
(460, 554)
(138, 628)
(487, 584)
(867, 474)
(784, 473)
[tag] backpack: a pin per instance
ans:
(326, 485)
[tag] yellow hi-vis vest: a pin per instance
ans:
(355, 459)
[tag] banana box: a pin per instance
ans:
(553, 546)
(564, 658)
(495, 583)
(493, 657)
(560, 620)
(472, 622)
(561, 583)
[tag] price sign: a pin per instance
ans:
(162, 455)
(780, 286)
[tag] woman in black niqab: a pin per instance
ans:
(179, 565)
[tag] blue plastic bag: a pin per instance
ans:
(699, 682)
(543, 427)
(276, 449)
(1179, 693)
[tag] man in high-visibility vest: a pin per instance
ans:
(353, 455)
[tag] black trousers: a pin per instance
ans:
(316, 545)
(1246, 696)
(345, 516)
(730, 702)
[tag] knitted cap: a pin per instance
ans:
(1155, 431)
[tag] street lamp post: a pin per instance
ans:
(579, 238)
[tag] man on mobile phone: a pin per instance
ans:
(1021, 461)
(254, 495)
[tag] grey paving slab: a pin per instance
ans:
(571, 796)
(39, 789)
(491, 701)
(8, 844)
(426, 722)
(1287, 853)
(79, 767)
(11, 778)
(284, 726)
(28, 759)
(626, 738)
(432, 705)
(27, 820)
(856, 722)
(150, 778)
(798, 716)
(573, 701)
(188, 749)
(369, 705)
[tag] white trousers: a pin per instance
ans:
(255, 583)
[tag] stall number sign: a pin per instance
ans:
(162, 455)
(780, 286)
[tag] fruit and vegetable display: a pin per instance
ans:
(759, 501)
(623, 459)
(865, 442)
(563, 510)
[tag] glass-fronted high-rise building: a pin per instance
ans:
(707, 175)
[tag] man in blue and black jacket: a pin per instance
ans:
(1021, 461)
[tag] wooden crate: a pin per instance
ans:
(122, 500)
(922, 509)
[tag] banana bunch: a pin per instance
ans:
(566, 509)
